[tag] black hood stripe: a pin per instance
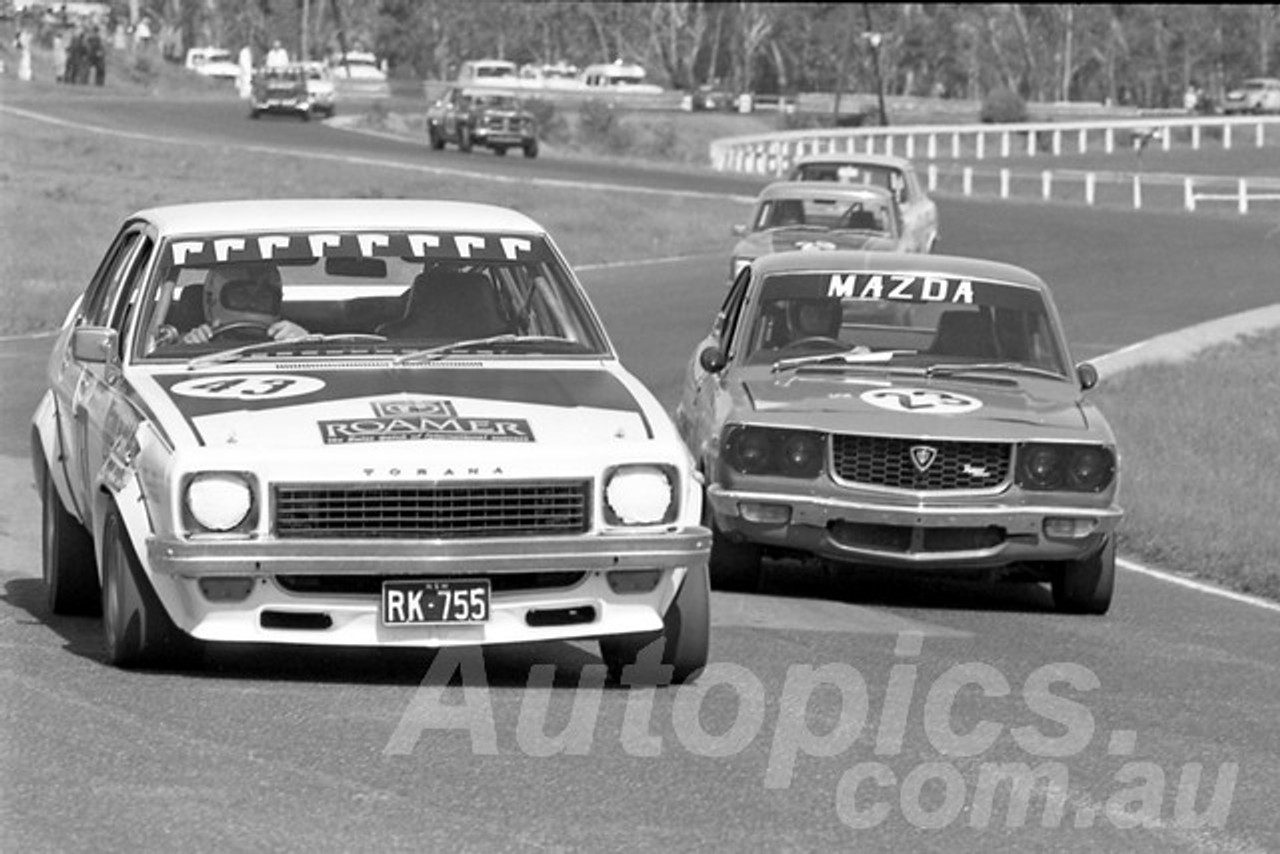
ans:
(593, 389)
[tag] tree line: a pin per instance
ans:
(1139, 54)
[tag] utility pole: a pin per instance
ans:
(873, 38)
(304, 43)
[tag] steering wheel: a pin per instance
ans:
(814, 341)
(262, 330)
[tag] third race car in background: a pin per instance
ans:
(813, 216)
(897, 174)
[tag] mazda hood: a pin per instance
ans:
(908, 405)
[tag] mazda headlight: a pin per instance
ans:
(773, 451)
(219, 503)
(640, 495)
(1071, 468)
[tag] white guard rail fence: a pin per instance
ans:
(944, 147)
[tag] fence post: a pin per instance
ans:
(1004, 183)
(1109, 144)
(967, 181)
(1195, 137)
(1188, 195)
(955, 145)
(1082, 141)
(1004, 145)
(1046, 185)
(1260, 135)
(1166, 141)
(933, 177)
(1057, 143)
(982, 144)
(1031, 143)
(871, 144)
(911, 147)
(1137, 192)
(932, 146)
(1090, 180)
(888, 143)
(1226, 136)
(1244, 196)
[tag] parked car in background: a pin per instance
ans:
(212, 62)
(919, 211)
(1255, 95)
(906, 411)
(813, 216)
(487, 118)
(712, 97)
(619, 77)
(321, 92)
(281, 89)
(359, 73)
(359, 423)
(488, 72)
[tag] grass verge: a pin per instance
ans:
(1199, 442)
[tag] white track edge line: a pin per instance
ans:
(1197, 585)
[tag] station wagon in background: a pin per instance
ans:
(213, 62)
(365, 423)
(904, 411)
(1256, 95)
(897, 174)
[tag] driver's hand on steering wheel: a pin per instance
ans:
(198, 335)
(281, 330)
(285, 330)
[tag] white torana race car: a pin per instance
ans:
(360, 423)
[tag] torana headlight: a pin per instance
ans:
(219, 502)
(640, 495)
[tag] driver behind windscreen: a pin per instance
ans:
(816, 318)
(244, 299)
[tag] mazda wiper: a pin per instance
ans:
(859, 356)
(989, 368)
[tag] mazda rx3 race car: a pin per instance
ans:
(904, 411)
(359, 423)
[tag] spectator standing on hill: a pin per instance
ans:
(142, 35)
(244, 80)
(22, 42)
(80, 58)
(277, 57)
(96, 53)
(1191, 98)
(59, 54)
(77, 62)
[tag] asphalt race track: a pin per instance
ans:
(863, 711)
